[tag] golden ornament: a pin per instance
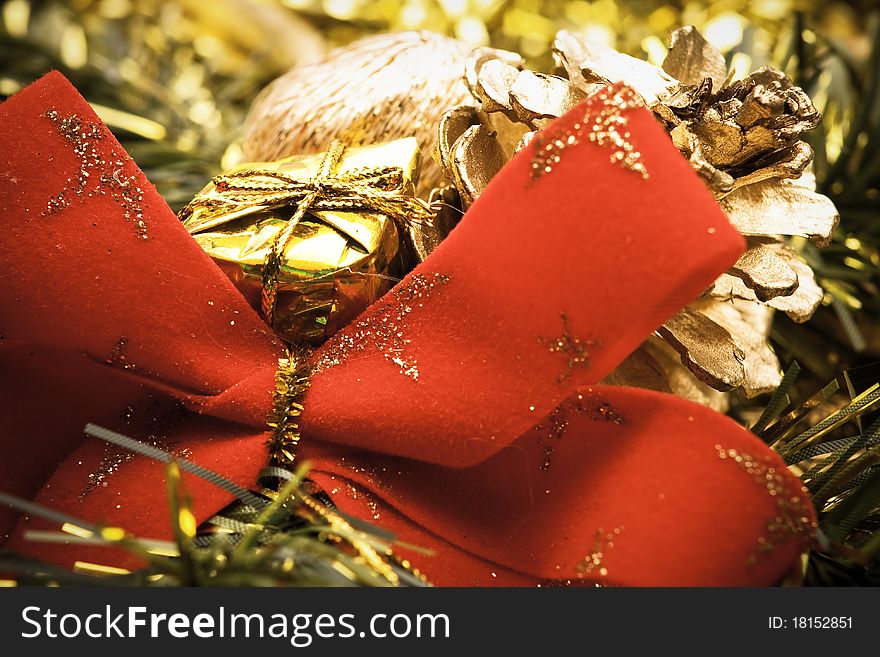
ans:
(743, 137)
(378, 89)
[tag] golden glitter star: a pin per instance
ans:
(792, 517)
(557, 423)
(594, 563)
(604, 123)
(96, 175)
(577, 349)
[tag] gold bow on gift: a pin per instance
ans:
(325, 229)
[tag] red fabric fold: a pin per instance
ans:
(616, 253)
(97, 320)
(429, 431)
(685, 515)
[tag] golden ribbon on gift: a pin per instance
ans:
(372, 189)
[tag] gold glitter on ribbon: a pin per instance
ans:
(556, 425)
(385, 328)
(594, 563)
(373, 189)
(114, 457)
(576, 349)
(96, 175)
(604, 123)
(119, 358)
(291, 381)
(792, 508)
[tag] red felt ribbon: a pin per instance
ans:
(543, 288)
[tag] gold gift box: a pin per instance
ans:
(336, 263)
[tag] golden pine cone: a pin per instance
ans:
(742, 137)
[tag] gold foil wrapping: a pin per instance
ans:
(343, 254)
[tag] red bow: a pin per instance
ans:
(462, 411)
